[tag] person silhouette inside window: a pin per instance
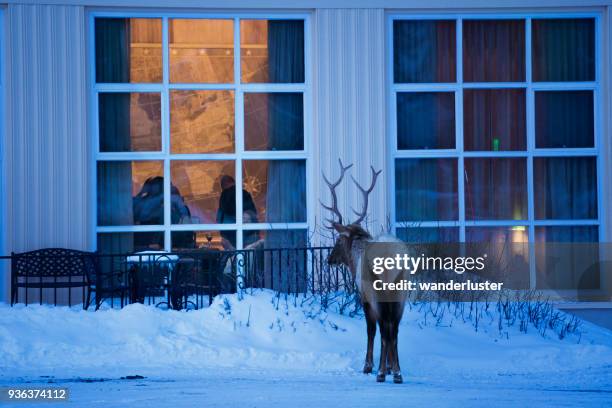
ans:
(226, 213)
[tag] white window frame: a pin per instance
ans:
(239, 154)
(530, 88)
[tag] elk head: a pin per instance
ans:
(351, 233)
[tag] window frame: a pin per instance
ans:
(531, 151)
(164, 87)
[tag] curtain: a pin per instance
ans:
(285, 270)
(286, 51)
(114, 178)
(286, 178)
(285, 121)
(563, 49)
(567, 258)
(426, 190)
(286, 190)
(565, 188)
(496, 188)
(424, 51)
(564, 119)
(425, 120)
(494, 119)
(493, 50)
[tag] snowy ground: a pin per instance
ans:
(258, 352)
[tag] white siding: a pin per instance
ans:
(46, 149)
(349, 104)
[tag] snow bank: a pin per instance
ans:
(262, 332)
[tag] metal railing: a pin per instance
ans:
(177, 280)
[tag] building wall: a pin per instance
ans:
(47, 149)
(349, 105)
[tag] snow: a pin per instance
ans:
(270, 346)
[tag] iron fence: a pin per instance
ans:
(177, 280)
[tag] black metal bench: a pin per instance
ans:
(53, 268)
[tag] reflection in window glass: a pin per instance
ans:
(130, 122)
(428, 234)
(202, 121)
(273, 121)
(277, 188)
(425, 120)
(426, 189)
(272, 51)
(493, 50)
(495, 188)
(494, 119)
(128, 50)
(201, 189)
(564, 119)
(201, 51)
(565, 187)
(563, 49)
(130, 193)
(424, 51)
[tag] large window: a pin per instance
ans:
(494, 128)
(187, 108)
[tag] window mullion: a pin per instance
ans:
(530, 123)
(238, 131)
(459, 130)
(166, 136)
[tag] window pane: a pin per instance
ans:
(494, 119)
(565, 260)
(182, 240)
(128, 50)
(495, 189)
(424, 51)
(563, 49)
(130, 192)
(201, 51)
(202, 121)
(565, 187)
(564, 119)
(426, 120)
(507, 251)
(128, 242)
(426, 189)
(203, 192)
(493, 50)
(277, 191)
(581, 233)
(428, 234)
(272, 51)
(130, 122)
(273, 121)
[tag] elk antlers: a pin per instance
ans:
(365, 193)
(332, 188)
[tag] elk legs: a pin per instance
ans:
(371, 327)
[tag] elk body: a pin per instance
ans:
(349, 250)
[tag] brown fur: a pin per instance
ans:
(349, 250)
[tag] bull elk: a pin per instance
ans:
(348, 250)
